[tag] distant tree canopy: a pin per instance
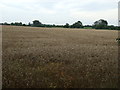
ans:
(113, 27)
(100, 24)
(36, 23)
(67, 25)
(17, 24)
(77, 25)
(6, 23)
(29, 24)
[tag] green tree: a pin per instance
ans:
(36, 23)
(100, 24)
(67, 25)
(5, 23)
(12, 23)
(29, 24)
(77, 25)
(18, 23)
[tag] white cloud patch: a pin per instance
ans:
(59, 11)
(88, 17)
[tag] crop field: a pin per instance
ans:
(35, 57)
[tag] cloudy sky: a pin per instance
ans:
(59, 11)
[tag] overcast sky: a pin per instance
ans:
(59, 11)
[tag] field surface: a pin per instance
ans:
(35, 57)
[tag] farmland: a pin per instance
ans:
(59, 58)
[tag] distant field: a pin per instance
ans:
(59, 58)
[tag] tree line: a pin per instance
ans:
(100, 24)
